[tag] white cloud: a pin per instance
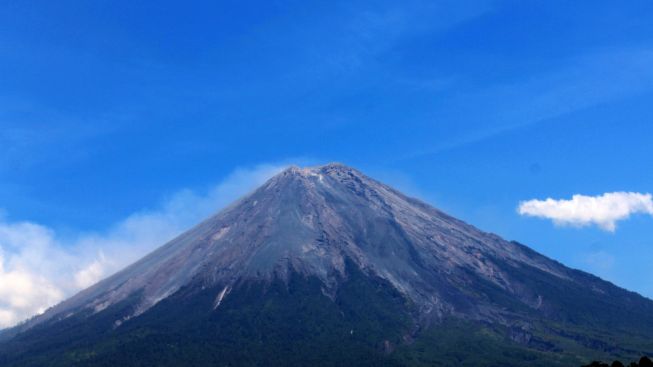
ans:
(38, 268)
(604, 210)
(92, 273)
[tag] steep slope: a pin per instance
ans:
(327, 253)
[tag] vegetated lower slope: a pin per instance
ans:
(326, 266)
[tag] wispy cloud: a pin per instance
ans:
(543, 97)
(604, 210)
(39, 268)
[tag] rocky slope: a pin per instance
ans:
(369, 258)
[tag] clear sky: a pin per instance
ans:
(123, 122)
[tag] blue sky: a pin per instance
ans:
(111, 111)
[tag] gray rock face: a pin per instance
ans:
(313, 221)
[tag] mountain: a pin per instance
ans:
(326, 266)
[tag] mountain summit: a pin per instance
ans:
(326, 266)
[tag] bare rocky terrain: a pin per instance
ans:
(331, 224)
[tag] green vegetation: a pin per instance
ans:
(366, 322)
(257, 324)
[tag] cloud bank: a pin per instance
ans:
(604, 210)
(39, 268)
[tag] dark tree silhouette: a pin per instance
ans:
(643, 362)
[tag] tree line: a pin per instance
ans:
(643, 362)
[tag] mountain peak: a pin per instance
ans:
(313, 221)
(335, 228)
(332, 168)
